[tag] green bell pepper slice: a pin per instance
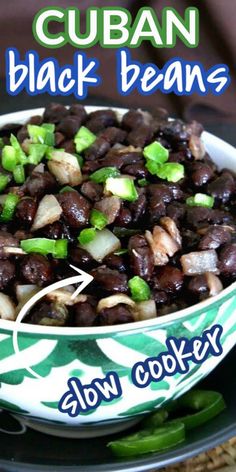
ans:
(149, 440)
(206, 404)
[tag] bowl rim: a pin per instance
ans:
(180, 315)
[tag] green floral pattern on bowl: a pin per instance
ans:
(57, 354)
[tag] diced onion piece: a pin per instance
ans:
(65, 297)
(26, 144)
(104, 243)
(199, 262)
(14, 251)
(47, 213)
(110, 206)
(114, 300)
(162, 245)
(130, 148)
(25, 292)
(197, 147)
(145, 310)
(170, 226)
(65, 167)
(40, 168)
(7, 308)
(214, 284)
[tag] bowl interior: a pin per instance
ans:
(223, 154)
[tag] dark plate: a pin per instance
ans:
(34, 451)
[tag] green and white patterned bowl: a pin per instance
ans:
(57, 354)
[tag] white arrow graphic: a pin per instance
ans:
(85, 280)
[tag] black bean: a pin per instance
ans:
(61, 269)
(97, 150)
(49, 314)
(190, 239)
(168, 279)
(78, 110)
(115, 262)
(35, 120)
(54, 113)
(159, 296)
(214, 237)
(159, 194)
(132, 119)
(227, 260)
(110, 280)
(138, 170)
(69, 125)
(140, 136)
(220, 217)
(138, 208)
(198, 285)
(7, 273)
(59, 138)
(177, 157)
(201, 173)
(120, 158)
(176, 192)
(39, 184)
(36, 269)
(22, 134)
(175, 131)
(92, 191)
(26, 211)
(75, 208)
(199, 216)
(113, 135)
(84, 314)
(22, 234)
(69, 146)
(124, 218)
(223, 187)
(80, 257)
(141, 257)
(119, 314)
(98, 120)
(53, 231)
(176, 211)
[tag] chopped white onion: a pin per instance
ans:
(47, 213)
(26, 144)
(25, 292)
(162, 245)
(199, 262)
(145, 310)
(214, 284)
(40, 168)
(129, 148)
(110, 206)
(13, 251)
(104, 243)
(65, 167)
(7, 308)
(65, 297)
(197, 147)
(170, 226)
(114, 300)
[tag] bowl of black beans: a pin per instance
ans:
(144, 204)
